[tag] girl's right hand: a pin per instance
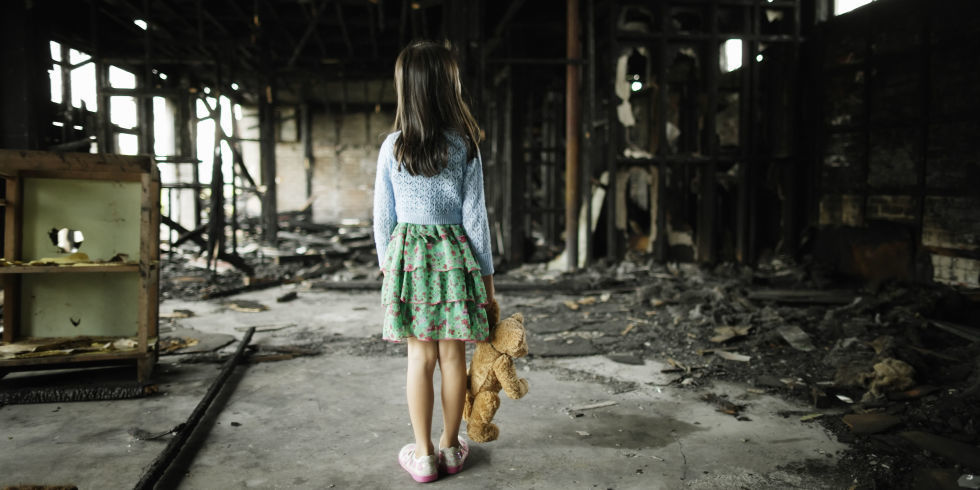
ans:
(488, 285)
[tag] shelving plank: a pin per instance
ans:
(67, 269)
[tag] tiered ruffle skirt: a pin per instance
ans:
(433, 288)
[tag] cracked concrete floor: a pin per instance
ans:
(337, 420)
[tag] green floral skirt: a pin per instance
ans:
(433, 288)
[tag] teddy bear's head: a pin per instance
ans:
(510, 337)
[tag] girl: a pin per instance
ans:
(433, 241)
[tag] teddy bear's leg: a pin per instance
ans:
(467, 405)
(478, 426)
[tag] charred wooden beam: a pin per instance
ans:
(343, 29)
(267, 150)
(660, 246)
(707, 205)
(498, 32)
(185, 234)
(309, 31)
(306, 135)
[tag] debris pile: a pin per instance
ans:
(893, 369)
(304, 251)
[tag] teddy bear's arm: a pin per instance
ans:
(513, 386)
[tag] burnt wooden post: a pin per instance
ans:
(145, 98)
(706, 210)
(267, 142)
(309, 160)
(661, 245)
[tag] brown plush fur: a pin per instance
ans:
(491, 370)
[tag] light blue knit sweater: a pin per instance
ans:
(454, 196)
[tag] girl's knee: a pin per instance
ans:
(452, 351)
(422, 353)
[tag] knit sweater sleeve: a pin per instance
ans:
(385, 217)
(475, 214)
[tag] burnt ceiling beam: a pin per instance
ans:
(498, 32)
(128, 25)
(239, 12)
(274, 13)
(306, 35)
(198, 47)
(343, 29)
(316, 34)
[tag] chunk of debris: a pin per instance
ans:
(287, 297)
(724, 334)
(172, 344)
(969, 480)
(917, 392)
(819, 397)
(247, 306)
(571, 305)
(891, 375)
(593, 406)
(723, 405)
(732, 356)
(812, 416)
(796, 337)
(871, 423)
(177, 314)
(583, 433)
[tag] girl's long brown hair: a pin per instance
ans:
(430, 101)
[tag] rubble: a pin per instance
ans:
(869, 359)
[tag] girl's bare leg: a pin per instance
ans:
(422, 357)
(452, 365)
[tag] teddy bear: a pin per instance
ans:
(491, 370)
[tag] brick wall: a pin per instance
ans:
(345, 150)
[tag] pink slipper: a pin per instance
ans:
(451, 458)
(424, 469)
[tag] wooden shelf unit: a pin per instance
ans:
(89, 191)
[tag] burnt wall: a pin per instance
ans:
(897, 164)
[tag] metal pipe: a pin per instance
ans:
(159, 466)
(572, 122)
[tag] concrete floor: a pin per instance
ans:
(337, 420)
